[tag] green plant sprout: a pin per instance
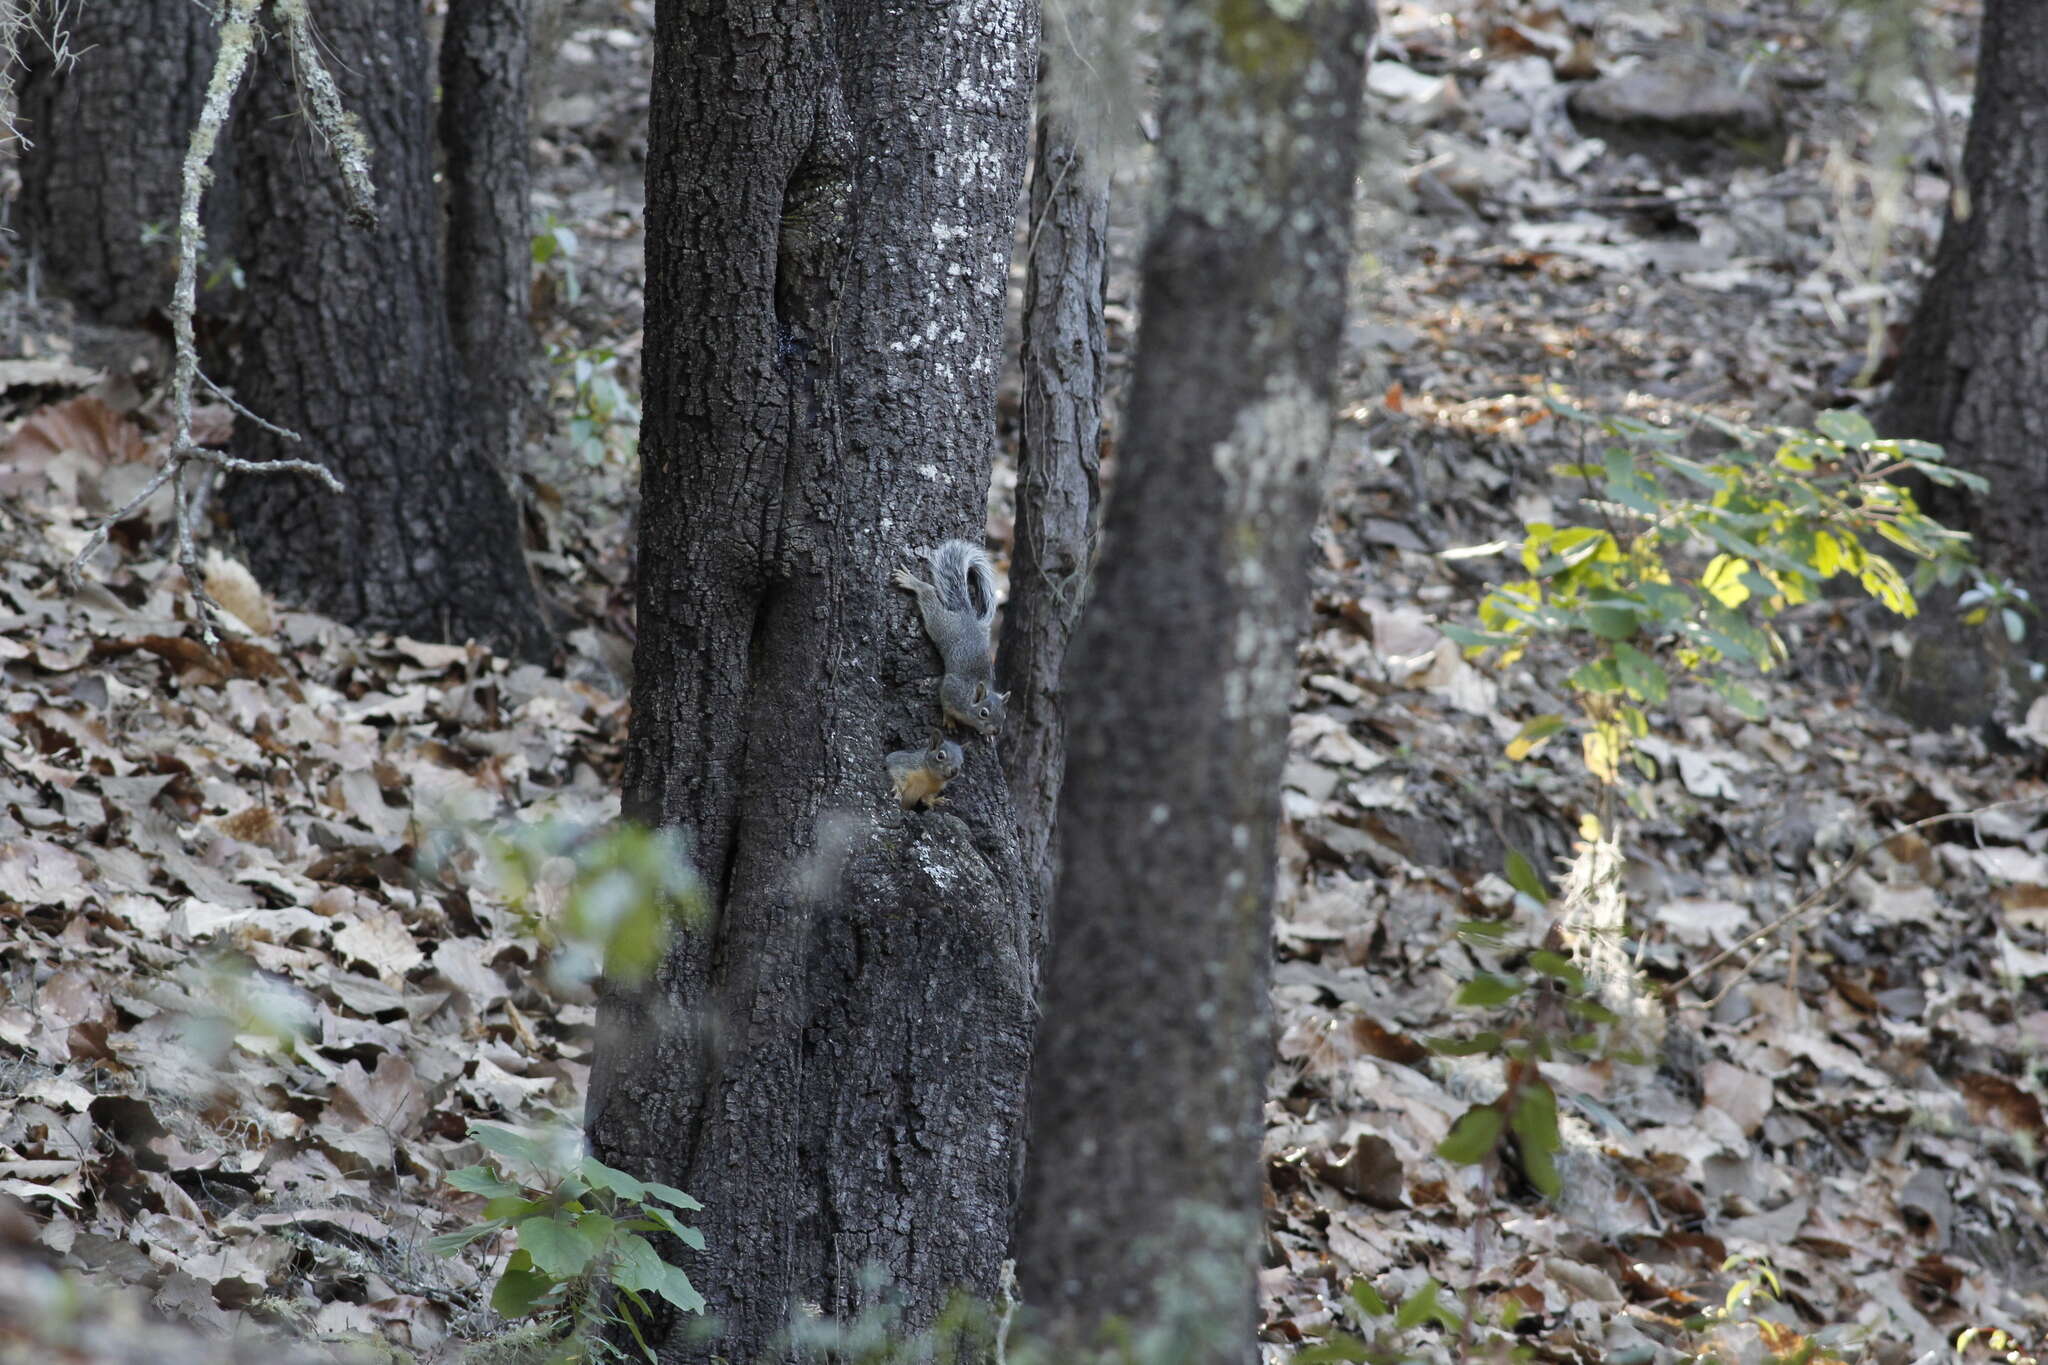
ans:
(582, 1227)
(1689, 561)
(604, 419)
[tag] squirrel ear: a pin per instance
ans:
(980, 692)
(1003, 697)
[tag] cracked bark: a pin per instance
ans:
(1058, 464)
(484, 52)
(338, 334)
(1151, 1064)
(1975, 361)
(836, 1065)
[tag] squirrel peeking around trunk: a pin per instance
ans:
(959, 609)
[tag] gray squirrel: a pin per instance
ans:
(959, 608)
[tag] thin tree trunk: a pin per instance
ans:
(836, 1065)
(1974, 368)
(1142, 1193)
(1058, 459)
(484, 55)
(344, 338)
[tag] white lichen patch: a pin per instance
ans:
(1275, 443)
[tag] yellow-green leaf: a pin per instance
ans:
(1723, 579)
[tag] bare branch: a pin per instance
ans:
(237, 40)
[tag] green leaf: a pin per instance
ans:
(557, 1245)
(508, 1143)
(1341, 1346)
(603, 1177)
(1473, 1137)
(1559, 966)
(1487, 989)
(1477, 639)
(1367, 1298)
(1741, 698)
(1532, 736)
(448, 1243)
(1614, 618)
(1850, 428)
(668, 1222)
(507, 1207)
(482, 1180)
(1601, 676)
(1641, 675)
(1465, 1047)
(669, 1194)
(1536, 1138)
(1423, 1306)
(1522, 874)
(520, 1287)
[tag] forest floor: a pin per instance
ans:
(195, 847)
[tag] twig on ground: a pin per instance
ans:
(1821, 894)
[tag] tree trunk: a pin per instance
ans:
(836, 1065)
(1058, 459)
(1142, 1194)
(490, 242)
(99, 188)
(337, 334)
(1975, 364)
(344, 338)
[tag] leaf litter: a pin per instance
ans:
(256, 984)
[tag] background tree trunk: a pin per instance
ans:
(1058, 459)
(338, 334)
(1974, 367)
(836, 1066)
(1142, 1192)
(99, 190)
(344, 338)
(484, 55)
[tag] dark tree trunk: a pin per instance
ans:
(1974, 368)
(490, 249)
(99, 189)
(338, 334)
(1142, 1194)
(344, 338)
(1057, 462)
(836, 1065)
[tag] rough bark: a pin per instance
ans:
(344, 338)
(1975, 363)
(836, 1065)
(99, 189)
(1058, 459)
(337, 334)
(484, 56)
(1142, 1192)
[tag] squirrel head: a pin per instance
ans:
(975, 705)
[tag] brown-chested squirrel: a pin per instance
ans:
(920, 775)
(959, 608)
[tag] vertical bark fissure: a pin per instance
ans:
(484, 52)
(1058, 461)
(1150, 1068)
